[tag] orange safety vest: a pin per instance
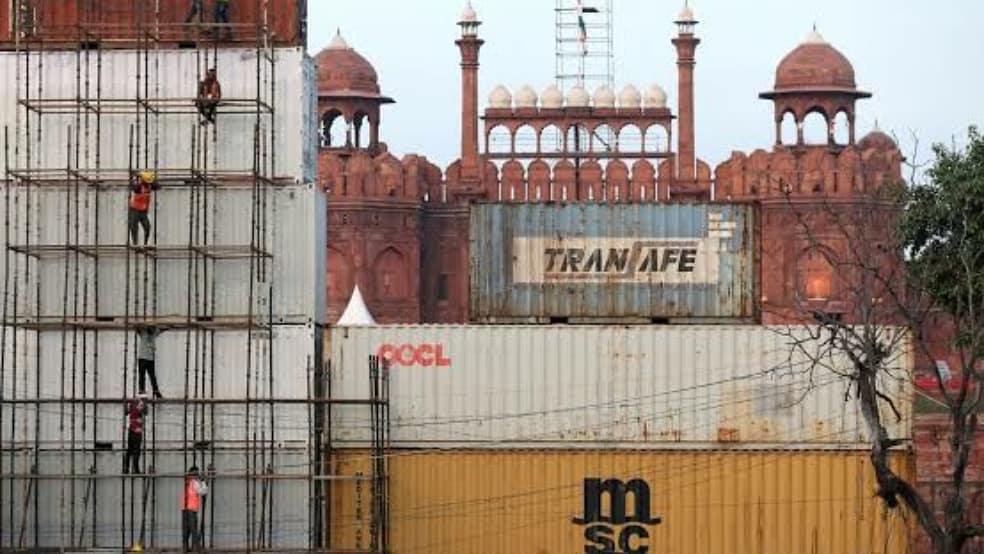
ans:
(191, 501)
(140, 201)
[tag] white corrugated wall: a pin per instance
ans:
(172, 74)
(600, 386)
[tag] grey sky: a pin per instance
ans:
(922, 60)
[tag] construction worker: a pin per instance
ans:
(135, 410)
(191, 503)
(146, 355)
(196, 9)
(222, 18)
(141, 188)
(209, 94)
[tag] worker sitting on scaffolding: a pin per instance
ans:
(191, 503)
(209, 94)
(141, 187)
(135, 410)
(146, 352)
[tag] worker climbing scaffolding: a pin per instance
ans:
(141, 188)
(135, 410)
(146, 358)
(193, 493)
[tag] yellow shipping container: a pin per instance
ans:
(627, 502)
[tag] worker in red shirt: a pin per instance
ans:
(141, 188)
(135, 410)
(191, 503)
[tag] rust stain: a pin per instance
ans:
(728, 434)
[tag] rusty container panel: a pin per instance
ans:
(541, 262)
(60, 22)
(655, 387)
(583, 501)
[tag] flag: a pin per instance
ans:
(582, 30)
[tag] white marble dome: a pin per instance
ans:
(604, 97)
(629, 97)
(525, 97)
(686, 14)
(551, 97)
(500, 98)
(655, 97)
(468, 14)
(577, 97)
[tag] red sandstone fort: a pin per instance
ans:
(398, 226)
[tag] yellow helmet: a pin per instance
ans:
(147, 176)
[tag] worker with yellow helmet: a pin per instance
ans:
(141, 188)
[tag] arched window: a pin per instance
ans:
(500, 140)
(578, 138)
(657, 139)
(841, 128)
(551, 139)
(333, 130)
(526, 140)
(630, 139)
(815, 128)
(787, 129)
(815, 275)
(390, 275)
(360, 132)
(603, 139)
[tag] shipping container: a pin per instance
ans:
(52, 365)
(602, 501)
(96, 512)
(701, 387)
(294, 239)
(601, 262)
(116, 21)
(172, 75)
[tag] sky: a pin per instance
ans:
(922, 60)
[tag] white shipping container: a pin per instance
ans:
(171, 74)
(295, 239)
(87, 366)
(94, 505)
(598, 386)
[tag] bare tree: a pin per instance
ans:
(884, 271)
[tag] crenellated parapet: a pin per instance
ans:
(809, 172)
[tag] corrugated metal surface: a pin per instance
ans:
(295, 238)
(172, 74)
(542, 261)
(99, 520)
(707, 503)
(57, 20)
(585, 386)
(95, 369)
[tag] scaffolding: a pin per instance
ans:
(76, 291)
(373, 473)
(584, 44)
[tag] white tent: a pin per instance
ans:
(356, 313)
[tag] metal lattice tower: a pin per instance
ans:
(587, 60)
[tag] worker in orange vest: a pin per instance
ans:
(191, 503)
(141, 189)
